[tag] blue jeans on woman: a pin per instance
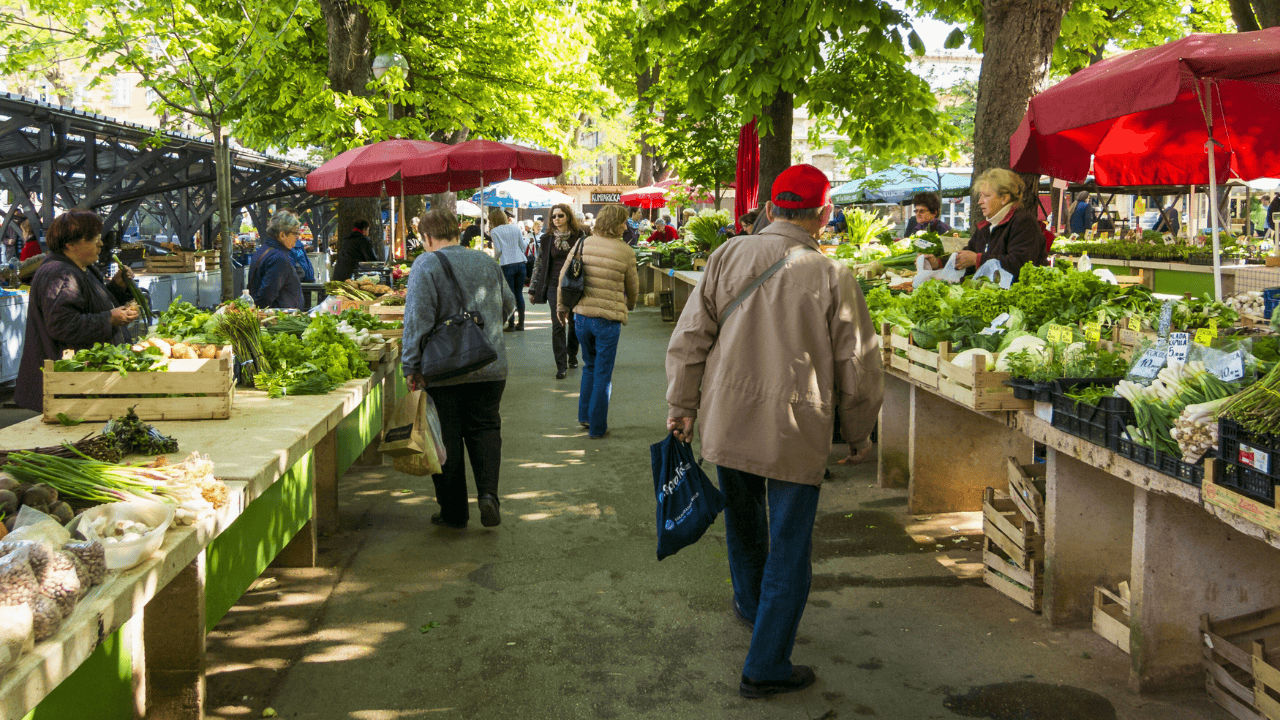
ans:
(514, 273)
(598, 339)
(769, 562)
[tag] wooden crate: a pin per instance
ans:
(1235, 503)
(387, 312)
(1240, 657)
(207, 389)
(918, 364)
(391, 334)
(976, 389)
(1111, 615)
(1012, 551)
(174, 263)
(1025, 491)
(699, 263)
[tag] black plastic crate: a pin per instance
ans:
(667, 305)
(1091, 422)
(1243, 467)
(1154, 459)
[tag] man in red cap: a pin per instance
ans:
(774, 339)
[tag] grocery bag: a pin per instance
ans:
(924, 271)
(995, 272)
(425, 421)
(688, 502)
(405, 433)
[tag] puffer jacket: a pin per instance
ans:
(612, 284)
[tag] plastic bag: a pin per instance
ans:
(948, 273)
(31, 524)
(994, 271)
(430, 459)
(331, 305)
(1106, 276)
(688, 502)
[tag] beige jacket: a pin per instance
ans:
(612, 283)
(768, 383)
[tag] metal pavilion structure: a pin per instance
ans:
(54, 158)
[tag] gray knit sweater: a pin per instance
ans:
(431, 298)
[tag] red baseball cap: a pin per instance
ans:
(805, 180)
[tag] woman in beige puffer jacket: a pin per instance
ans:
(611, 289)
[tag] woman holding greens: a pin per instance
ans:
(71, 306)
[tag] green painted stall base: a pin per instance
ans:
(101, 688)
(1175, 282)
(239, 555)
(358, 429)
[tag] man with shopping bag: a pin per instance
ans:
(774, 339)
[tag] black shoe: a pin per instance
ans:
(573, 363)
(599, 437)
(737, 611)
(489, 515)
(560, 374)
(509, 328)
(437, 520)
(583, 425)
(801, 677)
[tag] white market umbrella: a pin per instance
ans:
(468, 208)
(519, 194)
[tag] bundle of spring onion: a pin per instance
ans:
(87, 479)
(144, 307)
(1257, 408)
(1158, 406)
(243, 328)
(97, 447)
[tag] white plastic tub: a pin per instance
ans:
(124, 555)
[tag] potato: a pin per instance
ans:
(208, 352)
(183, 351)
(165, 347)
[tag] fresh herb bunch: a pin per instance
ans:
(182, 321)
(361, 320)
(144, 306)
(133, 435)
(120, 358)
(1091, 394)
(288, 323)
(84, 478)
(305, 379)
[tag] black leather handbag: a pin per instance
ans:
(574, 285)
(457, 344)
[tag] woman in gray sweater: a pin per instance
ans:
(468, 405)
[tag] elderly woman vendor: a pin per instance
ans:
(273, 280)
(71, 306)
(1010, 234)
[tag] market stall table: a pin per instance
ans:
(281, 458)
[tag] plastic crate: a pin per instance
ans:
(1249, 461)
(1270, 300)
(1091, 422)
(1154, 459)
(667, 305)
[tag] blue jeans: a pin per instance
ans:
(599, 341)
(514, 273)
(769, 562)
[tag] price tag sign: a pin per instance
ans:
(1205, 336)
(1228, 367)
(1093, 331)
(1135, 324)
(996, 324)
(1149, 365)
(1178, 344)
(1166, 317)
(1059, 334)
(922, 244)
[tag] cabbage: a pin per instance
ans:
(969, 358)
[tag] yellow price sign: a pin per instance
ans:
(1205, 336)
(1213, 325)
(1093, 331)
(1059, 334)
(1135, 324)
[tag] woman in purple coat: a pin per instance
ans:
(71, 306)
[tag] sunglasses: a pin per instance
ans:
(557, 217)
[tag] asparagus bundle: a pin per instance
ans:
(143, 306)
(244, 329)
(1257, 408)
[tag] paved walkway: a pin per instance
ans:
(564, 612)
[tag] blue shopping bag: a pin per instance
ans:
(688, 502)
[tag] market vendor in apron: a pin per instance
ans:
(1010, 233)
(71, 306)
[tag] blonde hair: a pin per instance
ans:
(611, 222)
(497, 217)
(1001, 182)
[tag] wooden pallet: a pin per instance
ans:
(206, 390)
(1025, 482)
(1111, 615)
(1012, 551)
(1240, 657)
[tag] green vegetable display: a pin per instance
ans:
(1257, 408)
(120, 358)
(185, 322)
(306, 379)
(132, 435)
(321, 345)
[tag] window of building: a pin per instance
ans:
(121, 91)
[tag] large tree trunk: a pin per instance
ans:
(350, 64)
(644, 81)
(775, 148)
(1252, 15)
(1019, 36)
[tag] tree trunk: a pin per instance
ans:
(222, 181)
(1255, 15)
(644, 81)
(1268, 12)
(1018, 45)
(775, 147)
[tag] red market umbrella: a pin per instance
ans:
(1147, 117)
(747, 176)
(361, 172)
(645, 197)
(476, 163)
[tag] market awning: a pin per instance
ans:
(901, 183)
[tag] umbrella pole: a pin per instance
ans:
(1213, 217)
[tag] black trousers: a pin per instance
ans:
(564, 339)
(470, 418)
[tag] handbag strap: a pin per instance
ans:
(457, 287)
(742, 296)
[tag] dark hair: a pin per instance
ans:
(748, 219)
(360, 225)
(73, 226)
(439, 224)
(782, 213)
(571, 220)
(930, 201)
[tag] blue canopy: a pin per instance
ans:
(899, 184)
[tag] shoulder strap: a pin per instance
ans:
(448, 270)
(742, 296)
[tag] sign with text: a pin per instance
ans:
(606, 197)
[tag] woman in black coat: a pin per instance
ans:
(1011, 233)
(554, 248)
(356, 248)
(71, 307)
